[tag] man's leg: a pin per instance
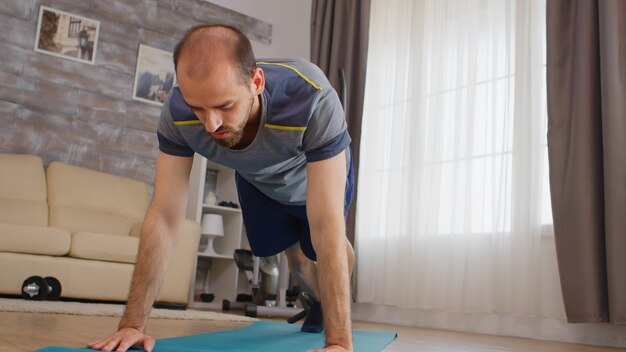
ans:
(304, 272)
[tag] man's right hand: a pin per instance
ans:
(122, 340)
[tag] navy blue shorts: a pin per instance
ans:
(273, 227)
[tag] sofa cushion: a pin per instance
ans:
(34, 239)
(22, 190)
(96, 246)
(23, 212)
(86, 220)
(135, 229)
(83, 200)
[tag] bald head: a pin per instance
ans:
(199, 49)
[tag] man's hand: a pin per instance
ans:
(331, 348)
(123, 340)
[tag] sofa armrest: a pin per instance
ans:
(180, 269)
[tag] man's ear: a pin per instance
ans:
(258, 80)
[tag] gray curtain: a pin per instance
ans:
(586, 72)
(339, 38)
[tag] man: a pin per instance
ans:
(280, 125)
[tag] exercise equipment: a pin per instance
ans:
(37, 288)
(207, 297)
(54, 288)
(269, 278)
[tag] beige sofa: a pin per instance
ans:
(82, 227)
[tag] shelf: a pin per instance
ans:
(215, 273)
(221, 210)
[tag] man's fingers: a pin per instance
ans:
(93, 343)
(148, 343)
(125, 344)
(111, 345)
(331, 348)
(135, 339)
(99, 344)
(122, 340)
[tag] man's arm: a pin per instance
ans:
(160, 231)
(326, 182)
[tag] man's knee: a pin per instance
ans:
(297, 259)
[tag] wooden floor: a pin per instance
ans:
(29, 331)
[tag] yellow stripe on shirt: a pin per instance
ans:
(285, 128)
(188, 122)
(309, 81)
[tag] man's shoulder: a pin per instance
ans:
(294, 62)
(300, 70)
(292, 89)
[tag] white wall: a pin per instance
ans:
(290, 20)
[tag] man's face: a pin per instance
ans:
(221, 101)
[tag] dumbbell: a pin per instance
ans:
(37, 288)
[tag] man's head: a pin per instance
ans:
(219, 80)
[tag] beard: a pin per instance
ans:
(236, 132)
(234, 139)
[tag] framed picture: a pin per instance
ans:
(66, 35)
(154, 76)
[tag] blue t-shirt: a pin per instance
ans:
(301, 121)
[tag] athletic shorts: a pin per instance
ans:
(272, 227)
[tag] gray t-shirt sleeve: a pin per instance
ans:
(326, 134)
(171, 141)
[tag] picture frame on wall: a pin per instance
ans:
(67, 35)
(154, 76)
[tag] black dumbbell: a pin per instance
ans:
(207, 297)
(54, 288)
(38, 288)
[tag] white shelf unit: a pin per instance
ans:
(216, 274)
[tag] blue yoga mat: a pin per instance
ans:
(260, 336)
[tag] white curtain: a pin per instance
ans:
(452, 207)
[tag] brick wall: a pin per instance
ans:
(83, 114)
